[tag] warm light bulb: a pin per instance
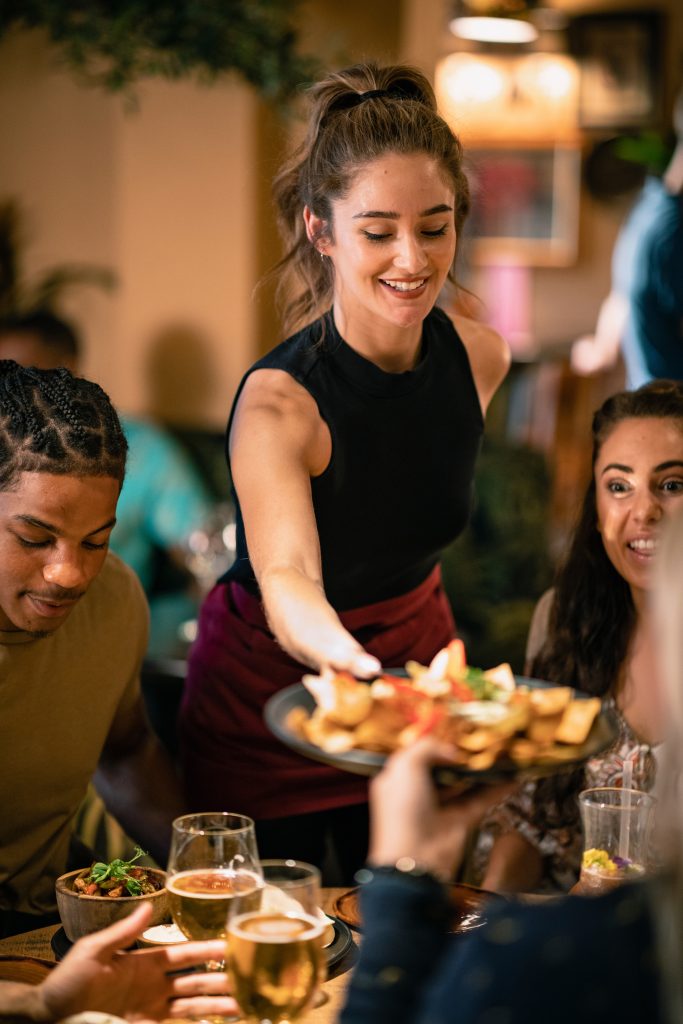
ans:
(469, 80)
(494, 30)
(551, 77)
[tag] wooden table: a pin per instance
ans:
(37, 944)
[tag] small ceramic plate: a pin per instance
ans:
(340, 945)
(469, 907)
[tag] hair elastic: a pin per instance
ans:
(400, 91)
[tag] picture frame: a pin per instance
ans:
(524, 205)
(620, 60)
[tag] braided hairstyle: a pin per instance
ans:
(53, 422)
(358, 115)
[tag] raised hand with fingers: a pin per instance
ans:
(412, 818)
(139, 985)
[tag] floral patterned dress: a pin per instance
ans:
(556, 834)
(554, 828)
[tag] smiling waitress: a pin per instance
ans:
(352, 448)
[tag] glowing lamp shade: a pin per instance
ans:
(470, 79)
(493, 30)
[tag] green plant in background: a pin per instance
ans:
(649, 150)
(116, 44)
(20, 294)
(496, 571)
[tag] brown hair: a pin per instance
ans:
(592, 617)
(358, 114)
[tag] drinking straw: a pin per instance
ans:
(625, 826)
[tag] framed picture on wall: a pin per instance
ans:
(620, 59)
(525, 205)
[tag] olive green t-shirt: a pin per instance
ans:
(58, 699)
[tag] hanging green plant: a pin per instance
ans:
(20, 294)
(119, 43)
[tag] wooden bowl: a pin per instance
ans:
(82, 915)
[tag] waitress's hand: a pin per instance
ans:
(411, 817)
(345, 654)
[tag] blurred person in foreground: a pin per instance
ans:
(617, 956)
(97, 975)
(352, 448)
(163, 498)
(73, 633)
(643, 313)
(594, 631)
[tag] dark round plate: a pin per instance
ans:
(469, 907)
(335, 952)
(340, 945)
(364, 762)
(60, 944)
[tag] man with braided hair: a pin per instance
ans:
(164, 497)
(73, 632)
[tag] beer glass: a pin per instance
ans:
(213, 872)
(275, 956)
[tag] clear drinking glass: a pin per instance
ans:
(616, 828)
(213, 872)
(275, 955)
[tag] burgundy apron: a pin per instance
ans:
(230, 759)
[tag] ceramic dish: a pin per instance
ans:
(469, 907)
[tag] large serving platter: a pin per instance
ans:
(364, 762)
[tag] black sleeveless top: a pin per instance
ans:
(398, 487)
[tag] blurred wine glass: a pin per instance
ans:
(209, 550)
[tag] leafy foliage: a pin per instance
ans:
(19, 294)
(495, 572)
(116, 872)
(115, 44)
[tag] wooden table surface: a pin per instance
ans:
(37, 944)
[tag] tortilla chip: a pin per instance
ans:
(343, 699)
(550, 701)
(523, 751)
(577, 720)
(296, 721)
(477, 740)
(544, 730)
(415, 669)
(502, 676)
(485, 759)
(329, 737)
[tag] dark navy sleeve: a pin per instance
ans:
(388, 980)
(589, 960)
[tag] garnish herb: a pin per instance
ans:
(108, 876)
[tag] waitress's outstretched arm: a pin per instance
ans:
(278, 442)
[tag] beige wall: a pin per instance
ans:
(165, 196)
